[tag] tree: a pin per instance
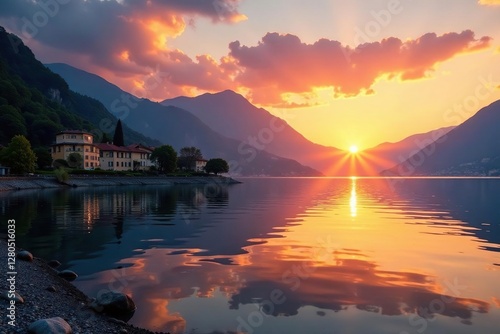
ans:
(165, 158)
(19, 156)
(188, 157)
(118, 137)
(75, 160)
(217, 166)
(43, 157)
(105, 138)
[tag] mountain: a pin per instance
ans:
(472, 148)
(387, 155)
(179, 128)
(231, 114)
(38, 103)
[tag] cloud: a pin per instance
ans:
(127, 42)
(283, 63)
(489, 2)
(126, 39)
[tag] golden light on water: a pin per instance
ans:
(353, 201)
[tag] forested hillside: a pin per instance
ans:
(37, 103)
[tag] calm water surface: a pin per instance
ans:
(281, 255)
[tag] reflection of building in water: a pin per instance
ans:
(353, 201)
(91, 210)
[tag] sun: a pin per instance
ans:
(353, 149)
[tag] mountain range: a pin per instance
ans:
(254, 131)
(470, 149)
(178, 127)
(38, 101)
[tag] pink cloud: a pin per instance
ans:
(282, 63)
(127, 42)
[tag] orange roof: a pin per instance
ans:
(114, 148)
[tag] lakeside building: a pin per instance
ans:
(75, 141)
(4, 170)
(124, 158)
(101, 155)
(200, 165)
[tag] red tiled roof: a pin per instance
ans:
(114, 148)
(141, 147)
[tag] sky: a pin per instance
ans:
(342, 73)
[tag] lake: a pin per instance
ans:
(281, 255)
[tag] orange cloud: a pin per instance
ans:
(282, 63)
(127, 42)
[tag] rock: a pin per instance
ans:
(17, 297)
(54, 263)
(116, 304)
(25, 255)
(68, 275)
(51, 288)
(50, 326)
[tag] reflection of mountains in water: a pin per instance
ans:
(349, 281)
(473, 201)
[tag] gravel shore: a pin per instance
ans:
(46, 295)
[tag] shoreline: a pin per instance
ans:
(42, 182)
(47, 295)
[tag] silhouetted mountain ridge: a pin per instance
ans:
(37, 103)
(179, 128)
(472, 148)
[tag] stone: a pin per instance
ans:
(68, 275)
(51, 288)
(55, 325)
(54, 263)
(114, 303)
(25, 255)
(6, 295)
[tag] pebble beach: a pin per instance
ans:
(45, 295)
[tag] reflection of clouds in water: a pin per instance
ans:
(268, 236)
(353, 282)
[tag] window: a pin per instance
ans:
(86, 157)
(86, 149)
(87, 164)
(110, 163)
(91, 164)
(58, 148)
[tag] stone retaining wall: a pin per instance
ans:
(35, 182)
